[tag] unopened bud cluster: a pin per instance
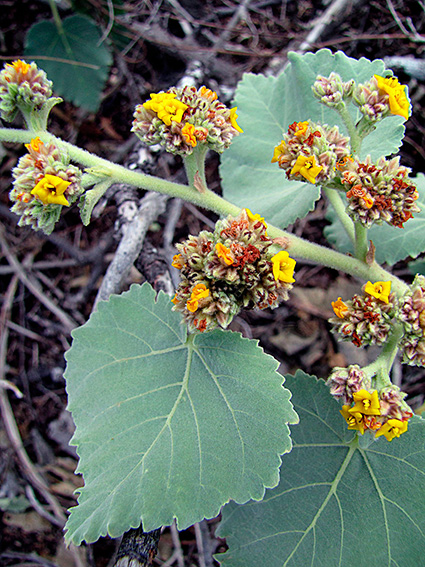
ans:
(366, 319)
(230, 269)
(412, 315)
(382, 411)
(181, 119)
(380, 192)
(380, 97)
(310, 152)
(23, 86)
(332, 91)
(44, 181)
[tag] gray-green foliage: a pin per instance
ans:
(74, 60)
(169, 428)
(392, 243)
(337, 504)
(266, 107)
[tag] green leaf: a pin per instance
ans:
(337, 504)
(168, 428)
(74, 60)
(392, 244)
(266, 107)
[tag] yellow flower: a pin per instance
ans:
(397, 98)
(283, 267)
(255, 217)
(278, 151)
(208, 93)
(224, 253)
(176, 263)
(339, 308)
(166, 107)
(380, 290)
(233, 117)
(20, 66)
(307, 167)
(50, 190)
(355, 421)
(368, 201)
(35, 144)
(188, 132)
(301, 129)
(392, 428)
(366, 403)
(200, 291)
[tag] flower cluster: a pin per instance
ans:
(380, 97)
(230, 269)
(182, 118)
(412, 315)
(332, 91)
(379, 192)
(385, 412)
(22, 85)
(310, 152)
(365, 319)
(44, 182)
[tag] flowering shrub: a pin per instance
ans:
(185, 415)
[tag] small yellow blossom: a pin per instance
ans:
(233, 117)
(50, 190)
(392, 428)
(301, 129)
(20, 66)
(380, 290)
(307, 167)
(283, 267)
(366, 403)
(339, 308)
(278, 151)
(176, 263)
(166, 107)
(368, 201)
(35, 144)
(224, 253)
(255, 217)
(397, 98)
(354, 421)
(208, 93)
(200, 291)
(175, 300)
(188, 132)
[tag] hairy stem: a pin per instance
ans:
(361, 243)
(338, 204)
(295, 245)
(355, 140)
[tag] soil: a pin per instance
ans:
(151, 53)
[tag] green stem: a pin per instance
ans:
(361, 243)
(296, 246)
(195, 164)
(355, 139)
(381, 367)
(338, 204)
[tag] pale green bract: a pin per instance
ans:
(168, 428)
(337, 504)
(75, 61)
(266, 107)
(392, 243)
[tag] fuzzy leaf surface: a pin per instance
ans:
(337, 504)
(392, 244)
(266, 107)
(168, 428)
(76, 63)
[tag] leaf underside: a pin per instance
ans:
(266, 107)
(167, 428)
(337, 504)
